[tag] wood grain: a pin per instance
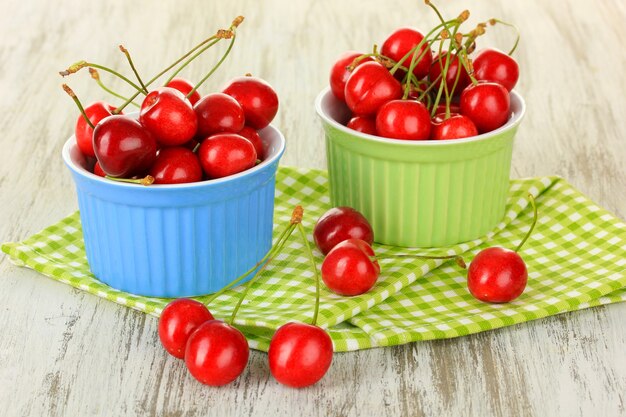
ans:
(64, 352)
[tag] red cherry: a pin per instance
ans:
(257, 98)
(226, 154)
(299, 354)
(218, 113)
(124, 148)
(216, 353)
(253, 136)
(176, 165)
(97, 169)
(83, 132)
(403, 119)
(168, 115)
(339, 224)
(178, 320)
(184, 87)
(348, 269)
(497, 275)
(493, 65)
(400, 42)
(363, 125)
(486, 104)
(456, 126)
(454, 67)
(454, 108)
(370, 86)
(339, 73)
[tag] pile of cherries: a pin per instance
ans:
(179, 136)
(420, 87)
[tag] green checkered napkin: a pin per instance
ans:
(576, 259)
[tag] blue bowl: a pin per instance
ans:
(176, 240)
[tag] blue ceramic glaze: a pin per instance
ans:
(176, 240)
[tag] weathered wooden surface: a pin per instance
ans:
(63, 352)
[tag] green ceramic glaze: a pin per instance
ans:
(419, 193)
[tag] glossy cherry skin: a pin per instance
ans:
(253, 136)
(217, 113)
(124, 148)
(369, 87)
(339, 73)
(226, 154)
(299, 354)
(168, 115)
(363, 125)
(348, 268)
(454, 108)
(339, 224)
(216, 353)
(178, 320)
(400, 42)
(439, 63)
(403, 119)
(497, 275)
(456, 126)
(97, 170)
(184, 86)
(83, 132)
(257, 98)
(176, 165)
(496, 66)
(487, 105)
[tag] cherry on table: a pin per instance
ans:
(369, 87)
(176, 165)
(184, 86)
(83, 132)
(226, 154)
(178, 320)
(487, 104)
(499, 275)
(216, 353)
(123, 147)
(339, 224)
(168, 115)
(403, 119)
(496, 66)
(350, 268)
(400, 43)
(217, 113)
(257, 98)
(300, 354)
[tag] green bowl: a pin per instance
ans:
(419, 193)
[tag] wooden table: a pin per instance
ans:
(64, 352)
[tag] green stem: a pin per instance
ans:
(459, 259)
(69, 91)
(532, 226)
(117, 74)
(206, 77)
(279, 247)
(132, 66)
(187, 62)
(317, 276)
(147, 180)
(516, 30)
(95, 76)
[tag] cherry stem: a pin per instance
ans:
(195, 148)
(206, 77)
(70, 92)
(188, 61)
(236, 22)
(295, 219)
(494, 21)
(147, 180)
(96, 76)
(532, 226)
(317, 276)
(83, 64)
(132, 66)
(457, 258)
